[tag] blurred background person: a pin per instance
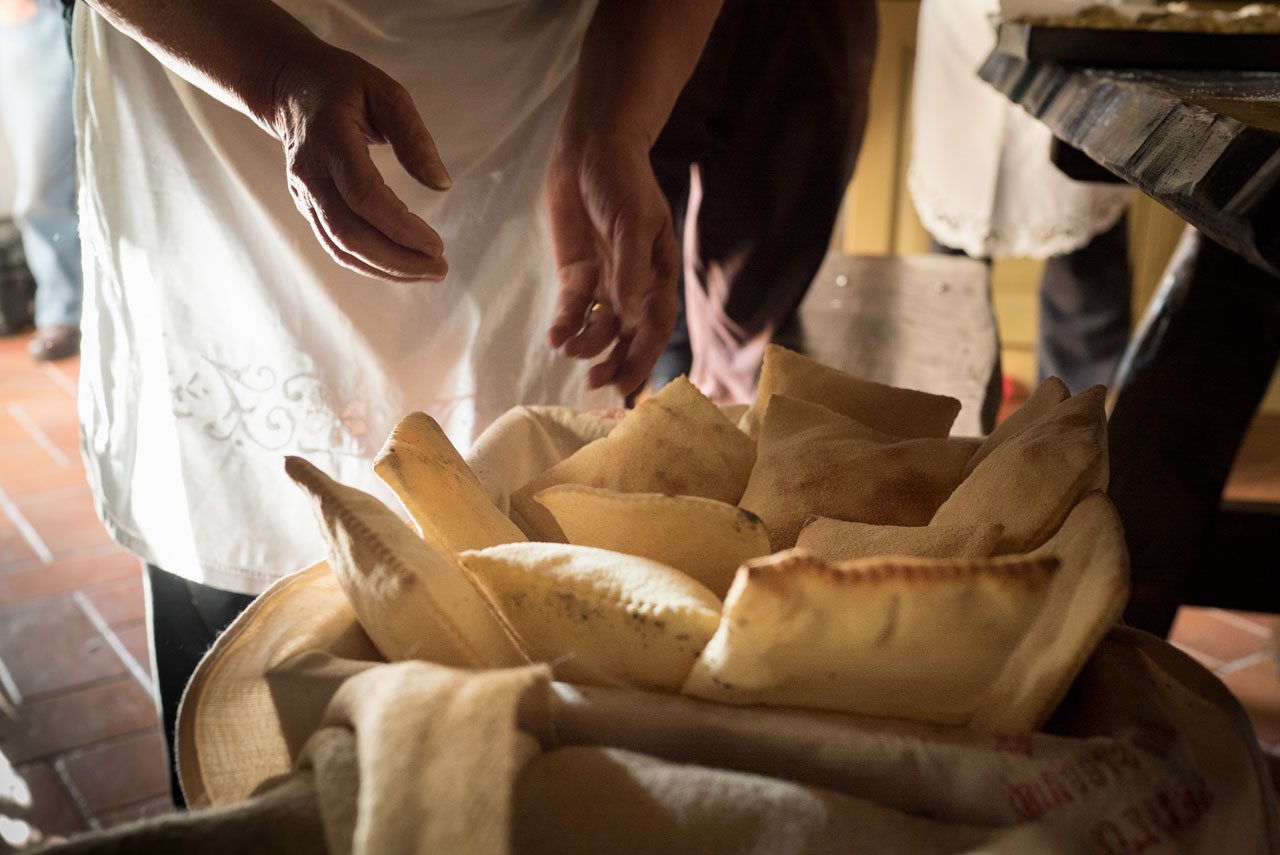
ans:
(36, 119)
(754, 161)
(983, 184)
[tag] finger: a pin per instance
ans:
(573, 240)
(356, 237)
(368, 196)
(599, 329)
(343, 259)
(578, 284)
(603, 373)
(655, 306)
(395, 116)
(650, 339)
(635, 240)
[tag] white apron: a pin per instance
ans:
(980, 176)
(219, 337)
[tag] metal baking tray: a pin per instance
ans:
(1140, 48)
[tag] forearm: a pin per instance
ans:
(234, 50)
(636, 58)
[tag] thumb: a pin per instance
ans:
(394, 116)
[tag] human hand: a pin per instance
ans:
(617, 257)
(327, 107)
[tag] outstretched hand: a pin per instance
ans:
(617, 257)
(328, 107)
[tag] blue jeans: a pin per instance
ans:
(35, 116)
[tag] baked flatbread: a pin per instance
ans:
(1031, 481)
(812, 461)
(675, 443)
(915, 639)
(412, 598)
(1084, 600)
(703, 538)
(837, 540)
(900, 412)
(600, 617)
(439, 490)
(1047, 395)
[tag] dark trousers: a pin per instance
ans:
(1086, 311)
(186, 617)
(754, 162)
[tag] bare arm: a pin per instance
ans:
(610, 223)
(324, 105)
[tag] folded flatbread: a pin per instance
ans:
(412, 598)
(1047, 395)
(916, 639)
(703, 538)
(1031, 481)
(439, 490)
(812, 461)
(837, 540)
(1084, 600)
(675, 443)
(900, 412)
(599, 617)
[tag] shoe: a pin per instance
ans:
(54, 342)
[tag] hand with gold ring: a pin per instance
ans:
(617, 257)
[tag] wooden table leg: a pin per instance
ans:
(1187, 390)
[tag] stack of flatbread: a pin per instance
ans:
(831, 548)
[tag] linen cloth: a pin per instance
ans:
(1148, 754)
(220, 337)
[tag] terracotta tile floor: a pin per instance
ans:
(79, 743)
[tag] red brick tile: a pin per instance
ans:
(1258, 689)
(67, 438)
(51, 811)
(14, 549)
(134, 638)
(132, 813)
(50, 646)
(40, 474)
(19, 450)
(11, 432)
(69, 368)
(15, 386)
(65, 520)
(32, 580)
(1261, 620)
(51, 409)
(121, 772)
(1202, 630)
(16, 344)
(76, 720)
(120, 602)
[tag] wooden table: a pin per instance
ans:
(1207, 146)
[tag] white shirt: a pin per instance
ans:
(219, 337)
(980, 177)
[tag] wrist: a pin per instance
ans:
(589, 141)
